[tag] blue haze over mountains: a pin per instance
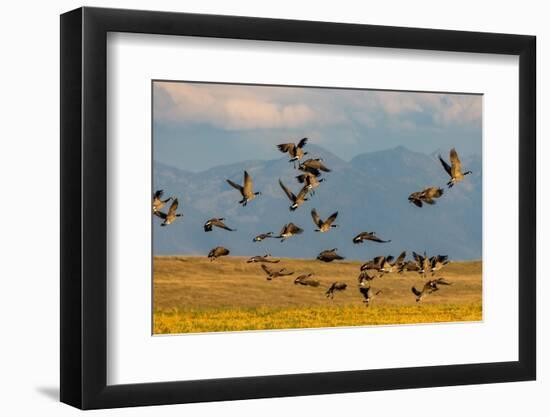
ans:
(370, 193)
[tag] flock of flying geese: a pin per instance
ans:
(310, 177)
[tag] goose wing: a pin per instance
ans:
(266, 269)
(292, 228)
(247, 187)
(416, 292)
(302, 142)
(401, 257)
(160, 214)
(445, 166)
(286, 147)
(288, 193)
(316, 219)
(456, 166)
(173, 207)
(442, 281)
(235, 185)
(302, 194)
(375, 238)
(331, 218)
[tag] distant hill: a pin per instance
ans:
(369, 192)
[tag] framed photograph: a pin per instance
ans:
(257, 208)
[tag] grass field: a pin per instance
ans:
(192, 294)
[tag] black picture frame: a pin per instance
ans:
(84, 207)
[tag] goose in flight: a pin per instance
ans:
(323, 226)
(171, 216)
(306, 280)
(429, 288)
(275, 274)
(263, 236)
(310, 181)
(438, 262)
(216, 223)
(455, 169)
(313, 166)
(264, 258)
(329, 255)
(368, 294)
(295, 151)
(336, 286)
(217, 252)
(288, 231)
(423, 262)
(158, 202)
(246, 190)
(425, 196)
(383, 264)
(296, 200)
(361, 237)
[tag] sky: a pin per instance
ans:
(197, 126)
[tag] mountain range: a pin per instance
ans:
(369, 192)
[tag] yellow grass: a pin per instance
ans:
(192, 294)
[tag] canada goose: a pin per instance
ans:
(429, 288)
(410, 266)
(246, 190)
(313, 166)
(323, 226)
(158, 202)
(264, 258)
(217, 223)
(288, 231)
(427, 196)
(168, 218)
(329, 255)
(361, 237)
(217, 252)
(275, 274)
(263, 236)
(306, 280)
(295, 151)
(424, 264)
(455, 170)
(438, 262)
(296, 200)
(381, 264)
(336, 286)
(310, 181)
(368, 294)
(364, 277)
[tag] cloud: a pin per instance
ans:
(244, 107)
(229, 107)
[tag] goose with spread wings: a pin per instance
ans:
(217, 252)
(246, 190)
(313, 166)
(289, 230)
(428, 196)
(275, 274)
(326, 225)
(335, 287)
(361, 237)
(296, 200)
(158, 202)
(455, 169)
(216, 222)
(429, 288)
(294, 150)
(171, 215)
(307, 280)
